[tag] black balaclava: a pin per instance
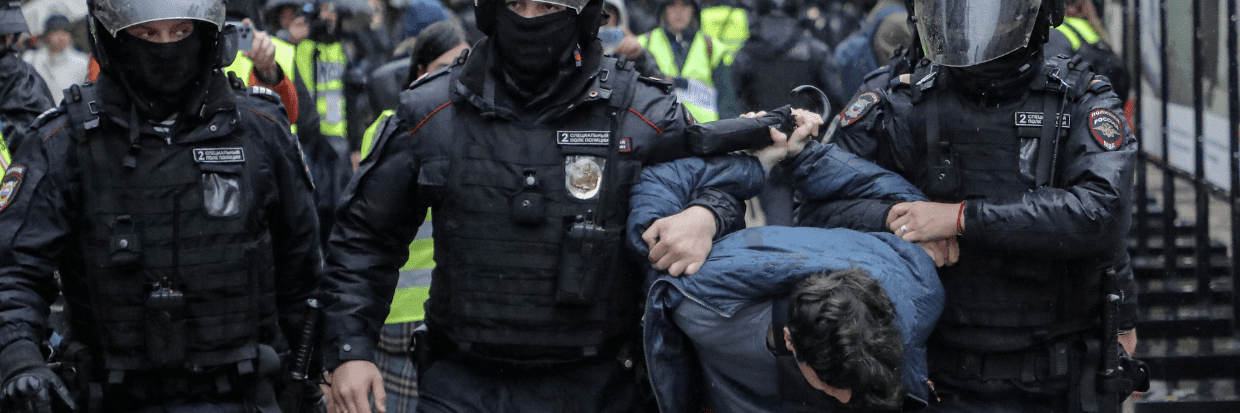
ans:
(162, 76)
(531, 51)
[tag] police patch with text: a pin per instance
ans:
(583, 138)
(219, 155)
(859, 107)
(1107, 129)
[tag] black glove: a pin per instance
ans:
(28, 383)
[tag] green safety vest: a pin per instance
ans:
(1080, 30)
(728, 24)
(324, 78)
(700, 62)
(414, 286)
(5, 160)
(285, 58)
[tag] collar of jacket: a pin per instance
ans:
(480, 84)
(216, 106)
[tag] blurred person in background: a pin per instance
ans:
(692, 60)
(56, 59)
(617, 38)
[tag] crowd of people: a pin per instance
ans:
(565, 206)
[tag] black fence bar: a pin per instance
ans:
(1201, 230)
(1233, 109)
(1132, 31)
(1168, 179)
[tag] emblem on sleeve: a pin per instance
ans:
(583, 175)
(10, 184)
(1106, 128)
(858, 108)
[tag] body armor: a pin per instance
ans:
(529, 226)
(1004, 301)
(177, 268)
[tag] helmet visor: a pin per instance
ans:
(117, 15)
(970, 32)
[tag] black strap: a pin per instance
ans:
(1048, 143)
(623, 89)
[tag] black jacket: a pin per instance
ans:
(44, 218)
(23, 96)
(387, 199)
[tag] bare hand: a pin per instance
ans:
(923, 221)
(681, 242)
(263, 54)
(777, 151)
(807, 126)
(629, 45)
(1128, 340)
(944, 251)
(351, 383)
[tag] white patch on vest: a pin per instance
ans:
(219, 155)
(583, 138)
(1035, 119)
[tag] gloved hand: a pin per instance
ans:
(29, 385)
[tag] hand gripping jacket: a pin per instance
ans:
(178, 255)
(1022, 300)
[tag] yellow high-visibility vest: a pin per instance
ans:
(700, 98)
(324, 79)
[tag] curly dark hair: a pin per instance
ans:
(843, 326)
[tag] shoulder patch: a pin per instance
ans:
(859, 107)
(10, 184)
(265, 93)
(1106, 128)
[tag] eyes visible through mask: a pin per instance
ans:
(162, 31)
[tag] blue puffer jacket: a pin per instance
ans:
(759, 264)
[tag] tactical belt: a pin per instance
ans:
(1039, 365)
(520, 356)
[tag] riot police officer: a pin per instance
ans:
(525, 150)
(178, 212)
(1029, 166)
(23, 93)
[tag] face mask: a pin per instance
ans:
(532, 49)
(611, 38)
(161, 73)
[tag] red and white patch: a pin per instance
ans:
(10, 184)
(859, 107)
(1107, 129)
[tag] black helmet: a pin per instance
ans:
(11, 18)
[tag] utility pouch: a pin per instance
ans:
(166, 326)
(221, 190)
(584, 258)
(125, 248)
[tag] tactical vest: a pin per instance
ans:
(1004, 301)
(528, 232)
(702, 98)
(178, 263)
(322, 69)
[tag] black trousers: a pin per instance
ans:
(458, 384)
